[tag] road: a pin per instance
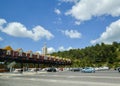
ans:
(100, 78)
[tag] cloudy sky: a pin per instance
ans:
(61, 24)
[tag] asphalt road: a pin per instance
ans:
(100, 78)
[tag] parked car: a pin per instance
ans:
(118, 69)
(75, 69)
(88, 70)
(102, 68)
(18, 71)
(51, 70)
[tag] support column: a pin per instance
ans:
(21, 67)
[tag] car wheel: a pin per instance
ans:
(119, 70)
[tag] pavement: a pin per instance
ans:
(100, 78)
(20, 74)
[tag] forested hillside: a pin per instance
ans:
(98, 55)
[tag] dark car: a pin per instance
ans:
(118, 69)
(75, 69)
(51, 70)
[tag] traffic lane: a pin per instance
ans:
(105, 77)
(97, 73)
(50, 82)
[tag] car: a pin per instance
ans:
(51, 70)
(75, 69)
(118, 69)
(88, 70)
(102, 68)
(18, 71)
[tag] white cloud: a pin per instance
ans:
(61, 48)
(17, 29)
(72, 33)
(69, 48)
(77, 22)
(39, 32)
(86, 9)
(1, 39)
(70, 1)
(57, 11)
(111, 34)
(50, 50)
(2, 21)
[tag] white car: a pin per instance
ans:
(17, 71)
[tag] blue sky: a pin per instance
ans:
(61, 24)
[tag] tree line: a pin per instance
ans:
(95, 56)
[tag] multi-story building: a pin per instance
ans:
(44, 50)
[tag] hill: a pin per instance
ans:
(97, 55)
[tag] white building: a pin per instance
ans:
(44, 50)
